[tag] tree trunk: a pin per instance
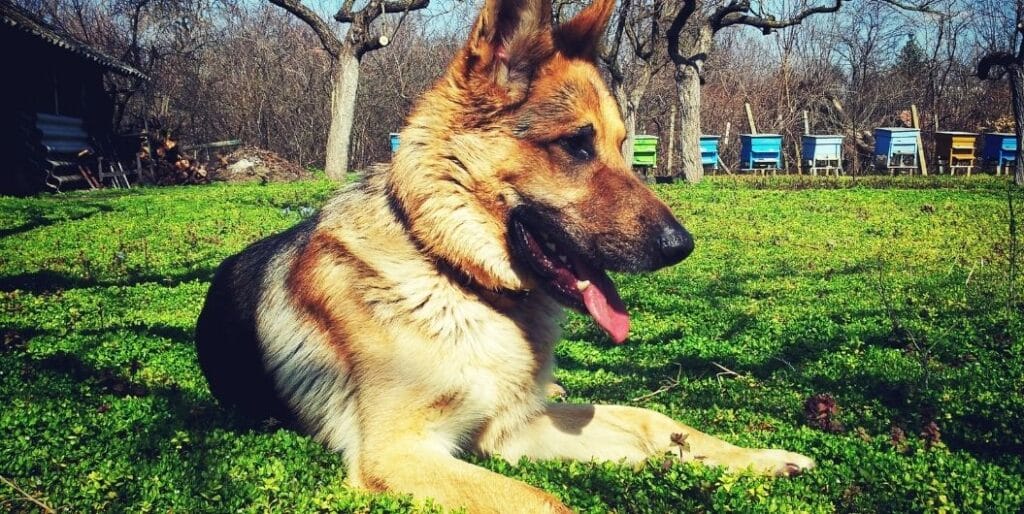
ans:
(628, 118)
(1016, 74)
(343, 106)
(671, 139)
(688, 93)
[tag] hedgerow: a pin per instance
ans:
(871, 324)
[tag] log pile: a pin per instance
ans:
(168, 165)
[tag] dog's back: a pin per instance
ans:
(305, 325)
(228, 344)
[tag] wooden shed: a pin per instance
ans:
(54, 100)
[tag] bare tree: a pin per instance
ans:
(1009, 63)
(689, 50)
(397, 77)
(153, 36)
(632, 57)
(347, 53)
(222, 69)
(690, 40)
(863, 46)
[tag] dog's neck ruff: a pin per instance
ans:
(495, 296)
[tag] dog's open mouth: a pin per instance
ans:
(572, 279)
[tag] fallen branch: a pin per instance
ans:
(784, 361)
(46, 508)
(725, 371)
(666, 385)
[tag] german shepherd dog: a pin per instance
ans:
(413, 318)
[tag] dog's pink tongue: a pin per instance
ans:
(603, 302)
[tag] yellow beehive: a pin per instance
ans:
(955, 150)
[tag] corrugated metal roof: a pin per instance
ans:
(19, 18)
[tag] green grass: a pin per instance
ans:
(893, 296)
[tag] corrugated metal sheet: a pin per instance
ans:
(21, 19)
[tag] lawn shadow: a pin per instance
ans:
(799, 342)
(182, 427)
(37, 217)
(46, 281)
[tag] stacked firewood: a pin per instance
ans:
(168, 165)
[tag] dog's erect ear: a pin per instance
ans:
(581, 36)
(510, 39)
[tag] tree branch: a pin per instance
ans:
(609, 53)
(735, 6)
(644, 48)
(345, 14)
(923, 7)
(1002, 60)
(676, 28)
(744, 18)
(360, 34)
(319, 26)
(657, 14)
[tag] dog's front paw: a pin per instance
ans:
(780, 463)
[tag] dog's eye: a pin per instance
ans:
(579, 145)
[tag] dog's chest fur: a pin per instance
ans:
(384, 328)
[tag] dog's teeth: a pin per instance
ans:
(582, 285)
(550, 245)
(563, 258)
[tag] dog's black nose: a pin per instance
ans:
(674, 243)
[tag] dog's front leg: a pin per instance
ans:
(415, 467)
(615, 433)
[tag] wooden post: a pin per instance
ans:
(799, 158)
(750, 117)
(799, 153)
(725, 139)
(920, 141)
(724, 167)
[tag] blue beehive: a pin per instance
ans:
(897, 146)
(823, 151)
(760, 151)
(709, 151)
(1000, 148)
(393, 138)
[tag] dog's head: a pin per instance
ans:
(510, 169)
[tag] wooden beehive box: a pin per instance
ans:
(760, 151)
(709, 150)
(645, 151)
(822, 147)
(952, 145)
(894, 141)
(999, 146)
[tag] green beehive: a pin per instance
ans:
(645, 151)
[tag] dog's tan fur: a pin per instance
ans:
(398, 328)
